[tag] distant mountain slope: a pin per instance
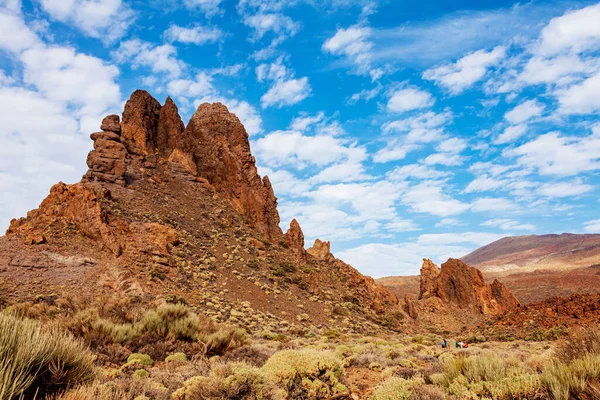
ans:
(533, 252)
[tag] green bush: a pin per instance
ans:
(306, 373)
(33, 359)
(396, 388)
(143, 359)
(230, 381)
(176, 357)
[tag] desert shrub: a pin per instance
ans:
(396, 389)
(143, 359)
(172, 321)
(253, 263)
(284, 268)
(230, 381)
(486, 375)
(33, 359)
(254, 356)
(565, 381)
(579, 344)
(223, 340)
(306, 373)
(427, 392)
(176, 357)
(88, 324)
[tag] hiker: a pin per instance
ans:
(443, 343)
(457, 343)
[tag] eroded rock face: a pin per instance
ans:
(170, 128)
(107, 162)
(68, 206)
(429, 274)
(321, 250)
(139, 129)
(464, 286)
(219, 146)
(294, 235)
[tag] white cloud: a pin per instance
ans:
(103, 19)
(303, 122)
(281, 25)
(285, 90)
(160, 59)
(565, 189)
(286, 93)
(456, 77)
(208, 7)
(511, 133)
(198, 35)
(582, 98)
(201, 86)
(12, 6)
(408, 99)
(293, 148)
(444, 159)
(284, 182)
(415, 171)
(508, 225)
(525, 111)
(378, 259)
(401, 225)
(421, 124)
(444, 222)
(559, 70)
(575, 31)
(592, 226)
(355, 44)
(428, 197)
(484, 184)
(555, 154)
(15, 36)
(492, 204)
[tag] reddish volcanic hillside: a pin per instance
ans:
(533, 252)
(168, 212)
(536, 268)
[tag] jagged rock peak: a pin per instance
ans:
(321, 250)
(294, 235)
(218, 144)
(170, 128)
(464, 286)
(429, 274)
(139, 128)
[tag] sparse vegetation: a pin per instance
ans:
(38, 360)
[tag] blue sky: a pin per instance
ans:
(397, 130)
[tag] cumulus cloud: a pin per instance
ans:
(525, 111)
(560, 155)
(285, 90)
(355, 44)
(462, 74)
(209, 7)
(492, 204)
(581, 98)
(379, 260)
(576, 31)
(428, 197)
(592, 226)
(511, 133)
(565, 189)
(408, 99)
(160, 59)
(103, 19)
(508, 225)
(198, 35)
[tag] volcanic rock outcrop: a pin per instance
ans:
(168, 211)
(321, 250)
(214, 147)
(458, 283)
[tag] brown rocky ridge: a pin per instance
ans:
(168, 211)
(458, 283)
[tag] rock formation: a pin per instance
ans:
(219, 146)
(429, 275)
(462, 285)
(213, 148)
(166, 210)
(321, 250)
(107, 162)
